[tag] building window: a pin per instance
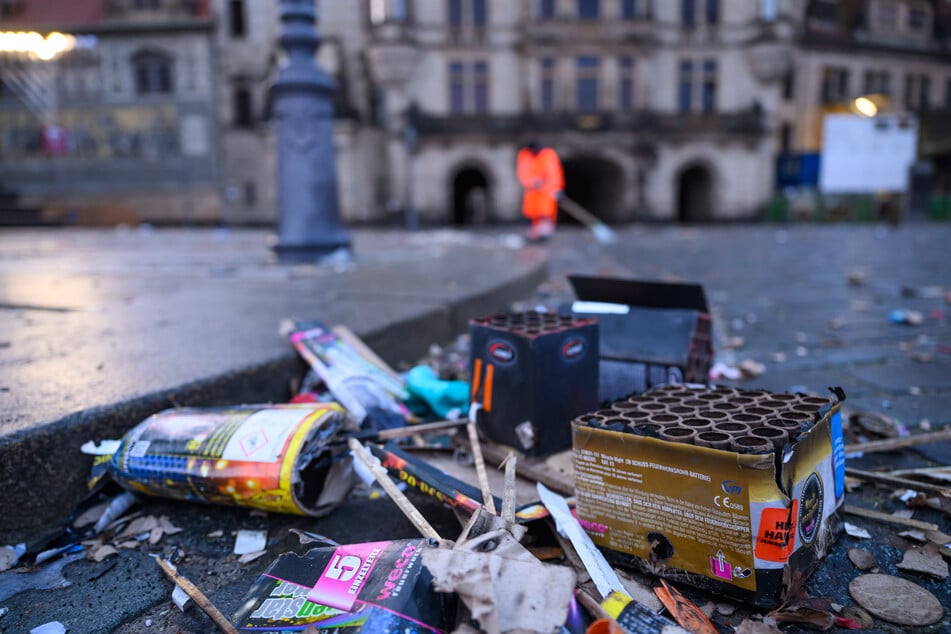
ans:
(547, 84)
(768, 10)
(789, 84)
(886, 15)
(713, 11)
(589, 9)
(243, 111)
(467, 13)
(835, 85)
(876, 83)
(468, 87)
(587, 83)
(708, 94)
(917, 18)
(917, 92)
(785, 138)
(685, 87)
(629, 9)
(236, 21)
(687, 11)
(153, 73)
(382, 11)
(546, 9)
(626, 83)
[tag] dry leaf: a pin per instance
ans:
(766, 626)
(167, 527)
(138, 526)
(862, 559)
(896, 600)
(799, 607)
(926, 561)
(914, 535)
(858, 615)
(155, 536)
(857, 531)
(102, 552)
(90, 515)
(249, 557)
(726, 609)
(131, 543)
(217, 533)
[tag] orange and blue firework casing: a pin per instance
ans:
(273, 457)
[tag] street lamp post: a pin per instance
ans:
(309, 224)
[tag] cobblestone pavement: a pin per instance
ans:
(812, 303)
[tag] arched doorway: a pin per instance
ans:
(695, 195)
(470, 197)
(595, 183)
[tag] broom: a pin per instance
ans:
(602, 233)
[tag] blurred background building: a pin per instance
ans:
(686, 110)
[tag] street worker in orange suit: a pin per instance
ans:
(541, 175)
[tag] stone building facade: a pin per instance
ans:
(661, 111)
(122, 127)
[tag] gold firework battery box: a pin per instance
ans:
(733, 491)
(532, 373)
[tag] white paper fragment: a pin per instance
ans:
(53, 627)
(594, 562)
(104, 448)
(180, 598)
(249, 557)
(857, 531)
(908, 494)
(248, 541)
(603, 308)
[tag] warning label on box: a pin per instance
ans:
(655, 502)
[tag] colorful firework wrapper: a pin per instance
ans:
(281, 458)
(371, 588)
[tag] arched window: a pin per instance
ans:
(153, 73)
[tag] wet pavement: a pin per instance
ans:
(811, 303)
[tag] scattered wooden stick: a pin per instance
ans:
(487, 499)
(891, 480)
(197, 596)
(591, 604)
(391, 489)
(889, 519)
(922, 471)
(508, 495)
(410, 430)
(890, 444)
(548, 477)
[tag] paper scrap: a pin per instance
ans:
(249, 541)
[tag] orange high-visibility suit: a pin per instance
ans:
(540, 173)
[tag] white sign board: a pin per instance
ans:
(867, 155)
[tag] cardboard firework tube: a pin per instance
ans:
(677, 434)
(617, 423)
(779, 437)
(791, 426)
(732, 427)
(713, 439)
(697, 424)
(751, 444)
(665, 419)
(634, 415)
(713, 415)
(753, 420)
(760, 411)
(272, 457)
(646, 429)
(726, 406)
(683, 410)
(652, 406)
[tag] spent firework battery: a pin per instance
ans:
(274, 457)
(734, 491)
(532, 373)
(371, 588)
